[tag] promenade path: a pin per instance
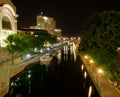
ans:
(8, 70)
(104, 86)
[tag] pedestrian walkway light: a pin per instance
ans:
(86, 57)
(82, 67)
(91, 63)
(100, 71)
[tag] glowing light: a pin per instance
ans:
(74, 48)
(100, 71)
(91, 61)
(29, 75)
(82, 67)
(86, 57)
(45, 18)
(41, 51)
(90, 91)
(48, 48)
(85, 74)
(28, 55)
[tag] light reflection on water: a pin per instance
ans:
(90, 91)
(68, 78)
(85, 74)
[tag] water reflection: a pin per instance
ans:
(85, 74)
(66, 78)
(90, 91)
(82, 67)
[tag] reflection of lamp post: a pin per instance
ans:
(100, 71)
(29, 76)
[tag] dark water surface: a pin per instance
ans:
(61, 78)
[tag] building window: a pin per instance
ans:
(6, 24)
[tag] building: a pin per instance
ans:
(48, 24)
(8, 20)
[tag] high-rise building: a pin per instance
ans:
(45, 23)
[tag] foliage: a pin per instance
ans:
(23, 43)
(43, 36)
(102, 37)
(18, 42)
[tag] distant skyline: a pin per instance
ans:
(70, 16)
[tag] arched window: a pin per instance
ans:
(6, 24)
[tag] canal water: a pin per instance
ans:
(65, 76)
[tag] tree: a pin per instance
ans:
(19, 42)
(102, 37)
(23, 43)
(43, 36)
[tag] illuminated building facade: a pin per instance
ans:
(8, 20)
(46, 23)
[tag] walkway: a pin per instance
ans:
(8, 70)
(104, 86)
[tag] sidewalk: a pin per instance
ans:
(104, 86)
(8, 70)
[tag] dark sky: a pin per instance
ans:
(71, 16)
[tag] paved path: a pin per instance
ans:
(102, 83)
(8, 70)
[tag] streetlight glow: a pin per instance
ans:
(86, 57)
(45, 18)
(82, 67)
(100, 71)
(91, 61)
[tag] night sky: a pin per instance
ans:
(71, 16)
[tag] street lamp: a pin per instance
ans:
(91, 62)
(86, 57)
(12, 51)
(100, 71)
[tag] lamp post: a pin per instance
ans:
(12, 44)
(91, 63)
(100, 71)
(12, 52)
(86, 58)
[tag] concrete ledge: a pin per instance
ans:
(105, 87)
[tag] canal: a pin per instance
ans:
(63, 77)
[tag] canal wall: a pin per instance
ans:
(8, 70)
(103, 85)
(87, 66)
